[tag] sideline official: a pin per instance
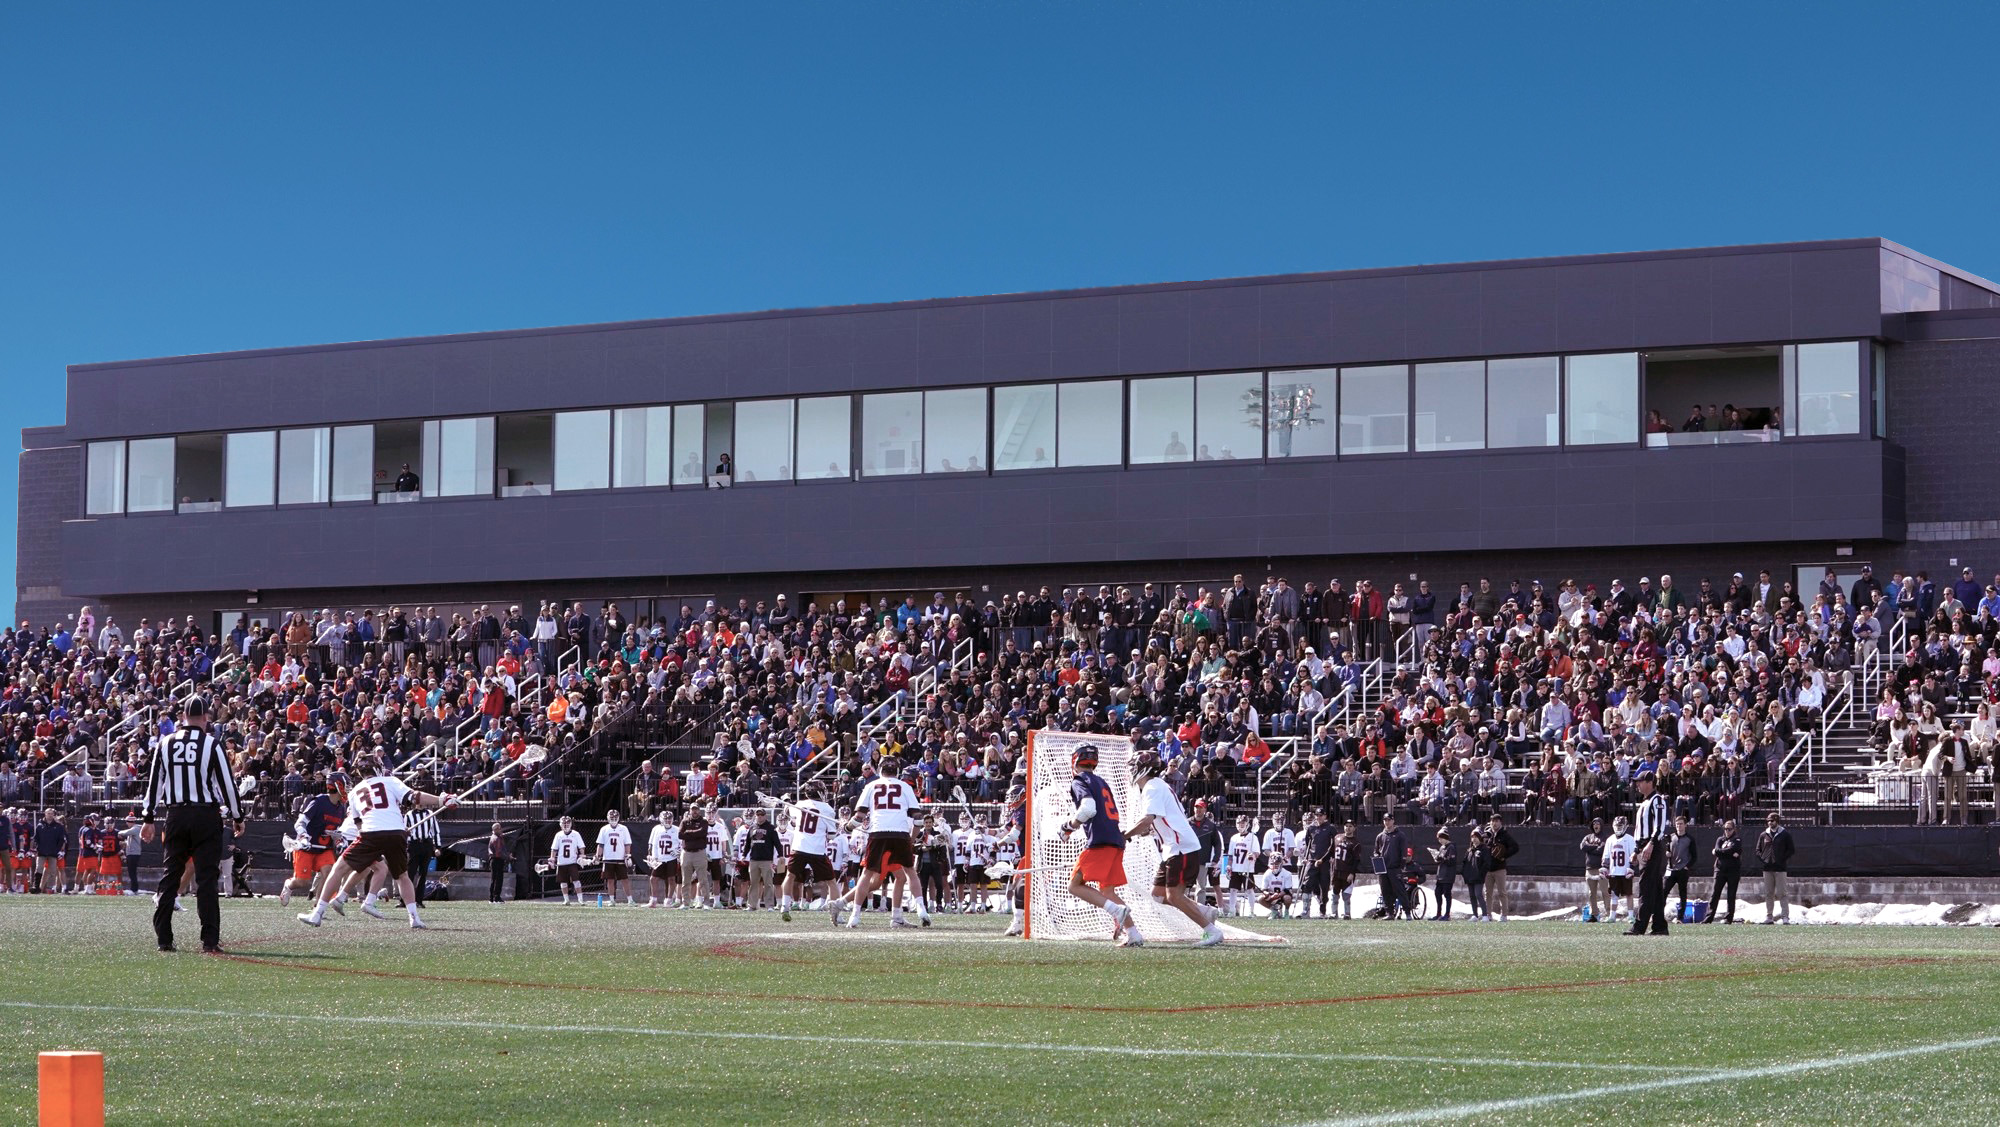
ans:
(1652, 834)
(190, 783)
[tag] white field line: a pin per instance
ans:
(1720, 1076)
(815, 1038)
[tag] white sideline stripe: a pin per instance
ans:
(1722, 1076)
(814, 1038)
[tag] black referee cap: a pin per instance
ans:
(196, 705)
(1648, 777)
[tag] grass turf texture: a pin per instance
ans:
(533, 1013)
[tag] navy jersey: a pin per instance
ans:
(1102, 827)
(317, 822)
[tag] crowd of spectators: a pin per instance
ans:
(1539, 701)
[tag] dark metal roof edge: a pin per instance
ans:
(1035, 295)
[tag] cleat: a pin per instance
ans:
(924, 921)
(167, 949)
(285, 896)
(339, 909)
(1210, 936)
(900, 922)
(307, 919)
(1132, 938)
(418, 925)
(833, 910)
(786, 915)
(369, 909)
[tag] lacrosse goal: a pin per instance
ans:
(1052, 913)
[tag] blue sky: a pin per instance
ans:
(181, 178)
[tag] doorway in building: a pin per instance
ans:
(1807, 578)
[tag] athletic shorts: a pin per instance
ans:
(809, 868)
(1103, 866)
(1178, 871)
(1239, 882)
(1342, 880)
(569, 874)
(616, 870)
(1620, 886)
(715, 870)
(976, 874)
(306, 862)
(391, 847)
(112, 866)
(888, 852)
(668, 871)
(86, 865)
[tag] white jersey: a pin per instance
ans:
(1170, 822)
(961, 847)
(982, 846)
(377, 804)
(1008, 850)
(664, 845)
(739, 842)
(888, 803)
(614, 843)
(1282, 845)
(813, 824)
(1243, 851)
(1618, 854)
(567, 848)
(1280, 879)
(718, 841)
(854, 845)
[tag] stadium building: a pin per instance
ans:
(1509, 419)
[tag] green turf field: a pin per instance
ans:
(532, 1013)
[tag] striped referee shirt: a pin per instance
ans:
(1653, 823)
(189, 767)
(424, 827)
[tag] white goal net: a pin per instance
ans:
(1052, 912)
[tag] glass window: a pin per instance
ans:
(892, 433)
(1602, 399)
(1229, 417)
(764, 440)
(353, 463)
(690, 422)
(249, 468)
(1024, 427)
(303, 466)
(149, 464)
(583, 450)
(1523, 402)
(1451, 406)
(955, 431)
(1162, 420)
(1375, 409)
(458, 458)
(1088, 431)
(1300, 409)
(826, 437)
(1881, 386)
(642, 450)
(105, 479)
(1830, 388)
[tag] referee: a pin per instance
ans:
(1652, 832)
(190, 781)
(423, 846)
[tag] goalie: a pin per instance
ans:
(1102, 862)
(1180, 847)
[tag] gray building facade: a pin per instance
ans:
(1508, 418)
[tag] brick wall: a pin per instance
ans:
(51, 485)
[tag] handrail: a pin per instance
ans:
(1407, 643)
(42, 789)
(1801, 751)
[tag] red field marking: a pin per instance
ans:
(945, 1003)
